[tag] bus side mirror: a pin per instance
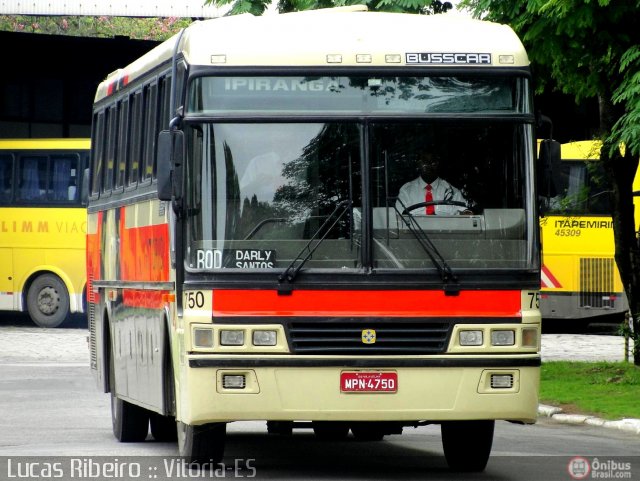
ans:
(170, 156)
(548, 168)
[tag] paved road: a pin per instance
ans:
(53, 411)
(50, 407)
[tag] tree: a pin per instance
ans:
(84, 26)
(591, 49)
(258, 7)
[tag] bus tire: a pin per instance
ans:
(48, 301)
(163, 428)
(330, 430)
(467, 444)
(130, 422)
(201, 444)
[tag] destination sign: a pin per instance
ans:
(235, 258)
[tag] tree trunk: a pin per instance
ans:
(621, 170)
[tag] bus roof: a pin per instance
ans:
(335, 37)
(45, 144)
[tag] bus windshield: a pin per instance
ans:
(258, 192)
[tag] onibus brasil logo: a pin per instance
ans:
(581, 468)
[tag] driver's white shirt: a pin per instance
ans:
(413, 192)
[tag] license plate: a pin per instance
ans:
(360, 381)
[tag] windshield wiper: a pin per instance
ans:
(449, 279)
(290, 273)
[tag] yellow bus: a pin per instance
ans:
(248, 255)
(42, 228)
(579, 276)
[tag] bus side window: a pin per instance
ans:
(122, 155)
(165, 99)
(135, 143)
(110, 150)
(64, 178)
(32, 178)
(6, 177)
(150, 131)
(97, 153)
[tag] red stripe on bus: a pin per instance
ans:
(144, 252)
(143, 298)
(367, 303)
(94, 270)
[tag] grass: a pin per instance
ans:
(609, 390)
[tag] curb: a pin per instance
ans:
(628, 424)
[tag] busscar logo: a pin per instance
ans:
(442, 58)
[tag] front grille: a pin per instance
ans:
(345, 337)
(596, 283)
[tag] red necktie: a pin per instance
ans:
(430, 209)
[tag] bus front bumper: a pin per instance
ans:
(290, 388)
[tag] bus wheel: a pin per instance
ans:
(201, 444)
(163, 428)
(130, 422)
(330, 430)
(467, 444)
(368, 431)
(48, 301)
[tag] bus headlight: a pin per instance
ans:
(203, 337)
(471, 338)
(232, 338)
(503, 338)
(265, 338)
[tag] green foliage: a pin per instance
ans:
(606, 389)
(584, 48)
(590, 49)
(135, 28)
(627, 128)
(257, 7)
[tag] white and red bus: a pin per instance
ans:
(247, 258)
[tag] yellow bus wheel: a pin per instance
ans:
(48, 301)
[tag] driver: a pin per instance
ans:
(429, 187)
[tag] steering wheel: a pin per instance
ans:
(434, 202)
